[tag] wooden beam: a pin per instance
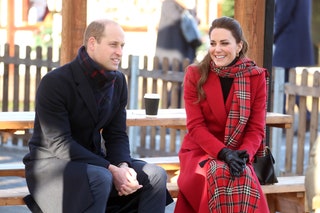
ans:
(74, 22)
(251, 15)
(268, 34)
(10, 26)
(25, 10)
(256, 19)
(268, 48)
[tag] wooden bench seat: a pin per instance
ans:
(13, 197)
(287, 196)
(12, 169)
(171, 164)
(285, 185)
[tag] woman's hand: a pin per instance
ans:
(236, 159)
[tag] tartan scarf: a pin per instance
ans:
(239, 113)
(97, 75)
(231, 195)
(227, 194)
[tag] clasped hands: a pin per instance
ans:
(124, 180)
(236, 160)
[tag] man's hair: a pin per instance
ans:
(96, 29)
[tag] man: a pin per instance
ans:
(81, 107)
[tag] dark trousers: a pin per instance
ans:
(152, 197)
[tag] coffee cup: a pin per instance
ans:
(151, 101)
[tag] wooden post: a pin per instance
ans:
(256, 18)
(10, 26)
(25, 10)
(251, 15)
(74, 22)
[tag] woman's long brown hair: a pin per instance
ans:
(204, 66)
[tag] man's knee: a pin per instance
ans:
(156, 174)
(99, 177)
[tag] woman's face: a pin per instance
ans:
(223, 47)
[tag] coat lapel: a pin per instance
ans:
(85, 91)
(215, 102)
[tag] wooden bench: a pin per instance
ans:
(12, 197)
(286, 196)
(12, 169)
(171, 164)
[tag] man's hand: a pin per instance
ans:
(124, 179)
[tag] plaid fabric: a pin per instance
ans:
(227, 194)
(231, 195)
(240, 107)
(101, 80)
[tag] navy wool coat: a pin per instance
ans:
(292, 34)
(67, 137)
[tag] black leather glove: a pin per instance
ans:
(236, 160)
(244, 155)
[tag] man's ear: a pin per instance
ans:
(91, 43)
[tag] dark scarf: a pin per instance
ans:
(101, 80)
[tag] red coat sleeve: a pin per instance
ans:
(199, 130)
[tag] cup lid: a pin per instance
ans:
(152, 95)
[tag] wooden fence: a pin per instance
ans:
(299, 140)
(18, 89)
(19, 78)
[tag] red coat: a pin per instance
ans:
(206, 125)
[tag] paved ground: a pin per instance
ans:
(14, 155)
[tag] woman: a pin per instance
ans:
(225, 99)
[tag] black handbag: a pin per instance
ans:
(263, 166)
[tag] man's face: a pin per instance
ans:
(108, 52)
